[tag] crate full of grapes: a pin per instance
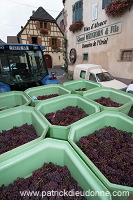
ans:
(20, 127)
(37, 94)
(105, 143)
(65, 110)
(111, 99)
(80, 86)
(54, 170)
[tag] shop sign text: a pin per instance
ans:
(99, 33)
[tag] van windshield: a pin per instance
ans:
(21, 66)
(104, 76)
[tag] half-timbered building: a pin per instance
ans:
(43, 30)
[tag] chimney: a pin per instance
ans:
(33, 12)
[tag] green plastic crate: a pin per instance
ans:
(58, 152)
(79, 84)
(58, 103)
(45, 90)
(19, 116)
(115, 95)
(89, 126)
(12, 99)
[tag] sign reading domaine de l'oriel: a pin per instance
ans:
(99, 36)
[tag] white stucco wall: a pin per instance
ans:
(107, 55)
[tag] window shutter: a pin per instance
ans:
(30, 40)
(50, 42)
(76, 11)
(94, 11)
(105, 2)
(48, 26)
(39, 41)
(58, 43)
(73, 13)
(80, 10)
(38, 25)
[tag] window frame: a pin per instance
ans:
(105, 3)
(126, 58)
(85, 54)
(82, 71)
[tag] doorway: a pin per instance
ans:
(48, 60)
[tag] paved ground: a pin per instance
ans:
(60, 73)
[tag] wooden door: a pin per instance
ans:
(48, 60)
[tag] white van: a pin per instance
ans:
(97, 74)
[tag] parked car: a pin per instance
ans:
(97, 74)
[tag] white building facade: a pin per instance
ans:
(103, 39)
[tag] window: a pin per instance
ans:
(94, 11)
(45, 25)
(41, 24)
(82, 74)
(92, 77)
(85, 56)
(105, 2)
(34, 40)
(104, 76)
(54, 42)
(77, 10)
(126, 55)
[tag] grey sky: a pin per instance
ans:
(15, 13)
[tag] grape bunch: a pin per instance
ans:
(107, 102)
(10, 139)
(66, 116)
(111, 150)
(49, 177)
(44, 97)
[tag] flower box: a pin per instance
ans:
(76, 26)
(44, 31)
(118, 7)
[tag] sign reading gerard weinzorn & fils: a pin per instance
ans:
(99, 34)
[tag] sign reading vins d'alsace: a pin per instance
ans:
(99, 34)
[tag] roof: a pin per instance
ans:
(12, 39)
(98, 70)
(1, 41)
(41, 14)
(61, 13)
(18, 44)
(87, 66)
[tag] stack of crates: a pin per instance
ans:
(58, 144)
